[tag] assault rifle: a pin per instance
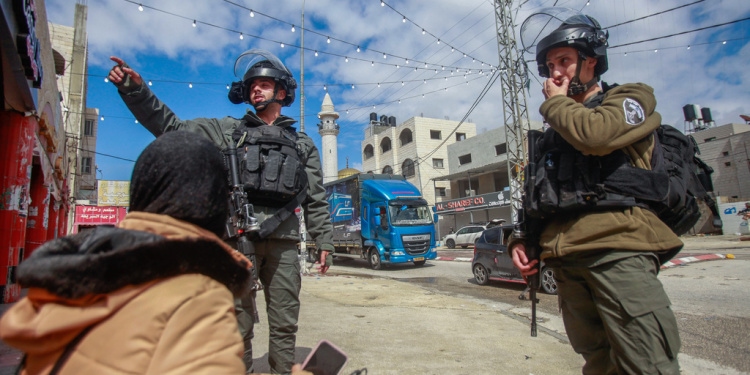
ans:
(242, 222)
(526, 229)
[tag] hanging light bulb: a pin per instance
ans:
(194, 23)
(372, 63)
(328, 40)
(227, 86)
(452, 49)
(688, 47)
(425, 64)
(438, 42)
(136, 121)
(425, 82)
(399, 101)
(101, 118)
(384, 56)
(252, 14)
(724, 42)
(190, 85)
(325, 88)
(346, 59)
(378, 84)
(398, 66)
(140, 7)
(407, 61)
(382, 4)
(316, 53)
(282, 44)
(402, 83)
(106, 79)
(242, 36)
(656, 50)
(404, 20)
(352, 86)
(423, 32)
(293, 29)
(626, 54)
(442, 68)
(150, 83)
(358, 49)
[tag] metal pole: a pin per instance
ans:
(302, 73)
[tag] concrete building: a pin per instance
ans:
(70, 44)
(416, 149)
(726, 149)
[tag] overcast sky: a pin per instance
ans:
(161, 43)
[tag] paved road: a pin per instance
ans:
(433, 324)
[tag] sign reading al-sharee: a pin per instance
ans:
(113, 193)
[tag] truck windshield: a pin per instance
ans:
(404, 214)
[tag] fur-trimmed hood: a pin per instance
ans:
(106, 259)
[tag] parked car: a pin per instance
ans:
(464, 237)
(492, 262)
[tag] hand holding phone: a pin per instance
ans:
(325, 359)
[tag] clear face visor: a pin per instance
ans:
(546, 20)
(251, 57)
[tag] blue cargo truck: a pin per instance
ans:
(381, 218)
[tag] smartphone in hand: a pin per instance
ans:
(325, 359)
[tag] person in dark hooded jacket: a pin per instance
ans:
(153, 295)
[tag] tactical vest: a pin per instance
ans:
(569, 182)
(271, 165)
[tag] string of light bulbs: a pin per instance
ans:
(316, 52)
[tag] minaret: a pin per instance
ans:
(329, 131)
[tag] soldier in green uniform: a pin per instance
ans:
(267, 85)
(616, 312)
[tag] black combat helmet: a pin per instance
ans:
(562, 27)
(257, 63)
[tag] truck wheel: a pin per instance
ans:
(374, 259)
(450, 243)
(419, 263)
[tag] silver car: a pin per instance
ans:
(464, 237)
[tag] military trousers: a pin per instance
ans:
(618, 316)
(279, 272)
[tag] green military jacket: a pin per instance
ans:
(158, 118)
(625, 120)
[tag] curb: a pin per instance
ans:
(697, 258)
(455, 259)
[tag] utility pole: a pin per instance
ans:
(513, 78)
(302, 72)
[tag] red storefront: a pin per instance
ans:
(33, 196)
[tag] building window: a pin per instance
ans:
(437, 163)
(405, 137)
(464, 159)
(460, 137)
(86, 165)
(407, 168)
(435, 134)
(725, 153)
(387, 169)
(439, 192)
(501, 149)
(368, 152)
(728, 163)
(709, 139)
(88, 128)
(385, 145)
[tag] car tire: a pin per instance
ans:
(419, 263)
(450, 244)
(549, 285)
(481, 276)
(373, 257)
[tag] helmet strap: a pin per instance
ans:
(576, 87)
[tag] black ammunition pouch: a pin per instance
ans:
(271, 166)
(569, 182)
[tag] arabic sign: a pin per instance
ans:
(98, 215)
(496, 199)
(113, 193)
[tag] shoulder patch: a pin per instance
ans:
(634, 114)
